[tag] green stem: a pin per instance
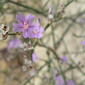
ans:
(27, 7)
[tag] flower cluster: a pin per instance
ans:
(28, 26)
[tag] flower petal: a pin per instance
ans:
(25, 34)
(71, 82)
(35, 57)
(59, 80)
(14, 43)
(20, 18)
(18, 27)
(35, 31)
(30, 18)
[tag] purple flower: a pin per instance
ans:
(35, 57)
(65, 58)
(83, 42)
(71, 82)
(28, 26)
(59, 80)
(15, 43)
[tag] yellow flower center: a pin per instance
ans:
(25, 25)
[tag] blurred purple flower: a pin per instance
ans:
(83, 42)
(35, 57)
(15, 43)
(28, 27)
(59, 80)
(65, 58)
(81, 20)
(71, 82)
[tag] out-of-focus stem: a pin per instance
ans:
(27, 7)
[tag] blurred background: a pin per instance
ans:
(61, 51)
